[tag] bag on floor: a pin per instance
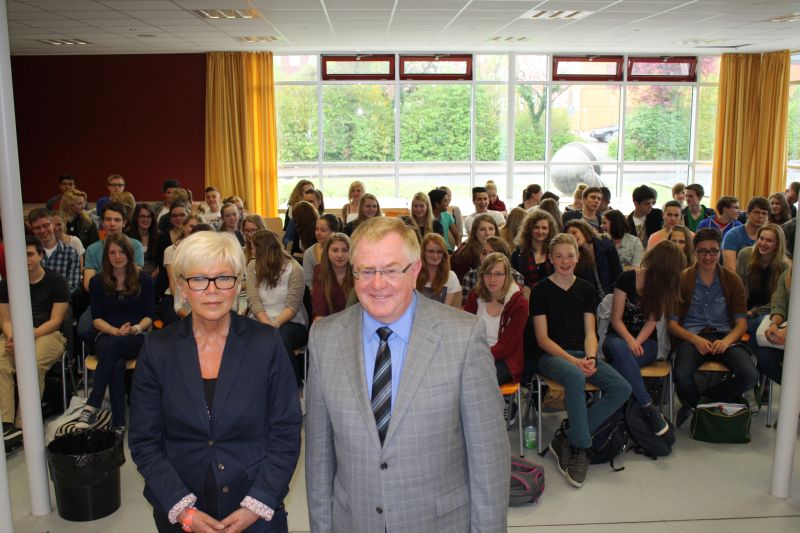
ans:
(610, 440)
(722, 423)
(527, 482)
(66, 423)
(643, 440)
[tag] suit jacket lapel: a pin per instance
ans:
(186, 353)
(235, 346)
(352, 351)
(421, 346)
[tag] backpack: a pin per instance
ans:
(610, 440)
(527, 482)
(644, 441)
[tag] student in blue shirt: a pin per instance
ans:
(745, 235)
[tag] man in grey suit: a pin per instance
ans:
(404, 428)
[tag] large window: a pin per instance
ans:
(793, 173)
(460, 120)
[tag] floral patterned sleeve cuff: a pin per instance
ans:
(178, 508)
(262, 510)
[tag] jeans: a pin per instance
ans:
(583, 420)
(86, 331)
(770, 362)
(627, 364)
(111, 355)
(293, 336)
(737, 358)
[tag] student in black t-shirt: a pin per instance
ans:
(563, 308)
(49, 303)
(642, 296)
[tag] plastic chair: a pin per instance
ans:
(90, 363)
(662, 369)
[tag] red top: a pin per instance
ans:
(497, 205)
(319, 307)
(2, 260)
(509, 347)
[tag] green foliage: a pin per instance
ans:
(434, 123)
(297, 123)
(706, 123)
(654, 133)
(794, 124)
(359, 123)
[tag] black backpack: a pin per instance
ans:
(644, 441)
(610, 440)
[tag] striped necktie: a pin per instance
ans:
(382, 384)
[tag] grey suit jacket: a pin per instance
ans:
(444, 465)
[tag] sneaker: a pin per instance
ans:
(578, 466)
(11, 433)
(684, 413)
(87, 418)
(655, 419)
(561, 450)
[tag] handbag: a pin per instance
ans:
(722, 423)
(761, 334)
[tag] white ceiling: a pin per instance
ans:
(617, 26)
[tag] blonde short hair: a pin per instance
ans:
(376, 228)
(208, 248)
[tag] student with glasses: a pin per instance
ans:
(435, 279)
(710, 321)
(500, 304)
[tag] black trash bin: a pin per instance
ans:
(84, 467)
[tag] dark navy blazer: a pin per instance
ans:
(253, 437)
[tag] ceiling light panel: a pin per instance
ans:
(227, 14)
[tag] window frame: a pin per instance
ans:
(325, 59)
(617, 60)
(466, 58)
(690, 60)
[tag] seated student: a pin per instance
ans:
(791, 194)
(605, 200)
(725, 219)
(645, 219)
(744, 235)
(250, 225)
(168, 188)
(695, 212)
(590, 210)
(451, 233)
(58, 257)
(66, 182)
(70, 240)
(499, 303)
(710, 321)
(435, 279)
(214, 201)
(480, 199)
(326, 226)
(779, 212)
(577, 199)
(598, 263)
(230, 221)
(760, 267)
(682, 237)
(350, 209)
(679, 193)
(672, 217)
(275, 289)
(495, 203)
(123, 308)
(315, 198)
(531, 196)
(530, 257)
(510, 230)
(368, 207)
(421, 217)
(491, 245)
(454, 211)
(468, 255)
(770, 360)
(49, 303)
(333, 277)
(179, 196)
(115, 185)
(301, 233)
(551, 206)
(788, 231)
(78, 223)
(642, 296)
(629, 248)
(563, 309)
(173, 306)
(144, 230)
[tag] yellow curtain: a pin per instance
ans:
(752, 114)
(241, 142)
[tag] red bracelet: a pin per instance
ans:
(188, 517)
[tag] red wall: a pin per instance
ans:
(141, 116)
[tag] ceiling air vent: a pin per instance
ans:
(59, 42)
(501, 39)
(260, 39)
(566, 14)
(227, 14)
(791, 17)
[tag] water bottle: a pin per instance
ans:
(530, 437)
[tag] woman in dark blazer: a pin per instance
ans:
(215, 416)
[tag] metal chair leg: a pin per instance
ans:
(519, 421)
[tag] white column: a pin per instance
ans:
(789, 406)
(6, 523)
(18, 286)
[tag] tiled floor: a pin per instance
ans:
(700, 488)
